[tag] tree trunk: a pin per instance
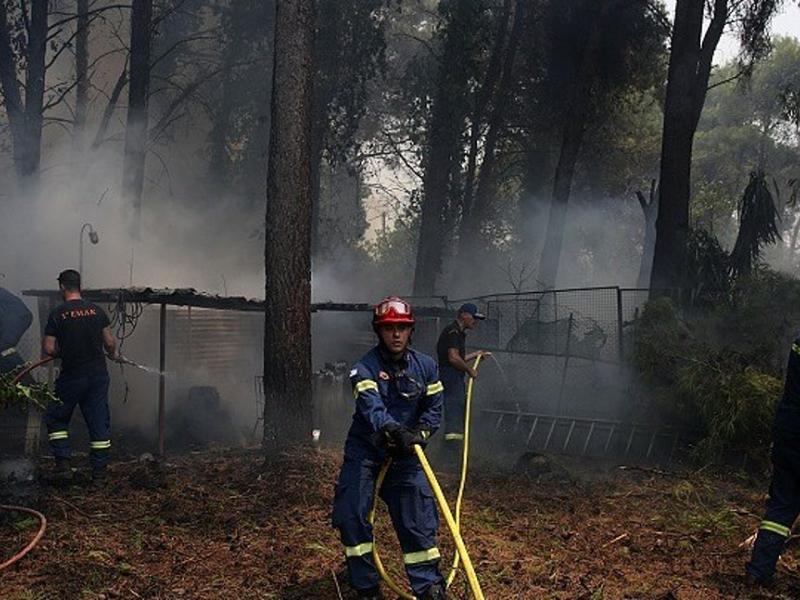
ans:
(324, 88)
(477, 211)
(443, 160)
(650, 211)
(100, 136)
(490, 79)
(287, 249)
(575, 120)
(136, 127)
(25, 120)
(81, 73)
(687, 82)
(11, 93)
(34, 89)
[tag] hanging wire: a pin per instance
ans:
(124, 319)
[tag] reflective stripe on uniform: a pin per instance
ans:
(453, 436)
(58, 435)
(775, 528)
(796, 348)
(100, 445)
(363, 386)
(412, 558)
(425, 434)
(8, 352)
(359, 550)
(434, 388)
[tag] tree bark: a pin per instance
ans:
(477, 211)
(687, 83)
(576, 117)
(484, 96)
(81, 73)
(111, 106)
(136, 127)
(287, 249)
(443, 160)
(650, 211)
(25, 119)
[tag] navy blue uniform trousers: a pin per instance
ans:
(783, 504)
(412, 509)
(455, 397)
(90, 393)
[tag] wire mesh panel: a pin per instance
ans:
(580, 322)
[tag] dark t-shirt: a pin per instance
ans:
(78, 326)
(451, 337)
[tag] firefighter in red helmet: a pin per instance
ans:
(398, 403)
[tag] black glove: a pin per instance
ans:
(407, 438)
(386, 438)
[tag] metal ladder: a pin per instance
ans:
(580, 435)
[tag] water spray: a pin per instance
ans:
(127, 361)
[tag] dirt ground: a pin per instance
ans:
(222, 524)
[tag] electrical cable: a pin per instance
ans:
(124, 319)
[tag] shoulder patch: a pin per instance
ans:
(353, 372)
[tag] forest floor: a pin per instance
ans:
(222, 524)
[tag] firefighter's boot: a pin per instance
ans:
(63, 472)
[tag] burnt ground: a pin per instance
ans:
(221, 524)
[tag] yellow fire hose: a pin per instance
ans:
(464, 464)
(453, 524)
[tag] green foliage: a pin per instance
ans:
(20, 394)
(745, 126)
(707, 276)
(758, 224)
(701, 382)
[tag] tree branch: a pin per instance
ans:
(73, 17)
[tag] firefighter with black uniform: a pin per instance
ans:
(783, 504)
(453, 365)
(78, 332)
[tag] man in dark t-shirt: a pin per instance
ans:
(453, 364)
(78, 333)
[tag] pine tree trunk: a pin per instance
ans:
(443, 160)
(577, 115)
(25, 119)
(138, 90)
(687, 83)
(287, 249)
(470, 243)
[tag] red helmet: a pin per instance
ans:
(392, 310)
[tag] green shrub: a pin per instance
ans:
(699, 381)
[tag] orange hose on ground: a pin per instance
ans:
(32, 544)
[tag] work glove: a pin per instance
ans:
(386, 438)
(406, 439)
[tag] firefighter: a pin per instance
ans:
(78, 332)
(453, 365)
(398, 403)
(15, 318)
(783, 504)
